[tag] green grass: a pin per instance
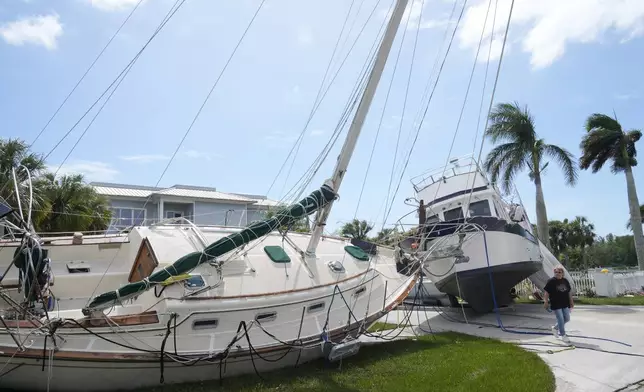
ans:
(444, 362)
(626, 301)
(378, 326)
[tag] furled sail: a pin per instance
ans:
(187, 263)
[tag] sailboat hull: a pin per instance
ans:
(128, 373)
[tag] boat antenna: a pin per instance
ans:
(357, 123)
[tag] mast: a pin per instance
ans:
(356, 125)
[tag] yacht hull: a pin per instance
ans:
(510, 259)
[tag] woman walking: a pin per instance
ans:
(558, 291)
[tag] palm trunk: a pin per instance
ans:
(636, 217)
(542, 216)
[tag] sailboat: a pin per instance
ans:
(206, 304)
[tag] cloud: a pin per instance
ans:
(145, 158)
(91, 170)
(304, 36)
(545, 28)
(113, 5)
(317, 132)
(626, 96)
(149, 158)
(41, 30)
(200, 155)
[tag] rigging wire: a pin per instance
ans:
(100, 54)
(404, 107)
(203, 104)
(467, 92)
(329, 86)
(326, 72)
(309, 174)
(425, 111)
(384, 109)
(175, 7)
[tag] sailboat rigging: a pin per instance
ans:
(230, 304)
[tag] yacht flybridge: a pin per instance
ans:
(481, 245)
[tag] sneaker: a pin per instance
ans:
(555, 331)
(565, 339)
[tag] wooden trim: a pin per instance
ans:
(128, 320)
(145, 246)
(277, 292)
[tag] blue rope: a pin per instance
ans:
(498, 315)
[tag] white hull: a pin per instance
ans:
(512, 258)
(298, 299)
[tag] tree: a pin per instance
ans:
(299, 226)
(70, 205)
(605, 140)
(387, 236)
(522, 149)
(15, 152)
(570, 240)
(356, 229)
(628, 224)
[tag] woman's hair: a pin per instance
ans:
(558, 267)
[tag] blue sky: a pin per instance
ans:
(565, 60)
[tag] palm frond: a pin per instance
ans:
(565, 160)
(511, 123)
(601, 121)
(598, 146)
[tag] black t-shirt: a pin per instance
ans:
(558, 290)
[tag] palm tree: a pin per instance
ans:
(513, 125)
(628, 224)
(70, 205)
(356, 229)
(605, 140)
(15, 152)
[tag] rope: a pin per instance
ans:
(86, 72)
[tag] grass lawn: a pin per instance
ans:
(444, 362)
(629, 301)
(378, 326)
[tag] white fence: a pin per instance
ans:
(624, 281)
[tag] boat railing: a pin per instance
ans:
(458, 166)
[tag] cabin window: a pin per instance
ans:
(205, 324)
(194, 282)
(315, 307)
(453, 214)
(266, 317)
(75, 267)
(336, 266)
(480, 208)
(360, 291)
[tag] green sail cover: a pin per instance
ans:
(187, 263)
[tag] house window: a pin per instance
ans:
(125, 217)
(173, 214)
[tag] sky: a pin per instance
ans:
(564, 60)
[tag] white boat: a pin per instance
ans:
(481, 246)
(200, 304)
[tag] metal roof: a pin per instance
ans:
(203, 194)
(185, 191)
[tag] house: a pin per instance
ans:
(137, 205)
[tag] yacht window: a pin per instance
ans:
(453, 214)
(480, 208)
(432, 219)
